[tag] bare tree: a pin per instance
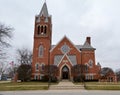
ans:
(2, 54)
(5, 35)
(24, 56)
(78, 72)
(24, 72)
(50, 72)
(3, 68)
(24, 59)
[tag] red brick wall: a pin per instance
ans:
(57, 50)
(44, 40)
(48, 57)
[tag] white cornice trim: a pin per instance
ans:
(61, 41)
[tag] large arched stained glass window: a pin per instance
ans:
(41, 51)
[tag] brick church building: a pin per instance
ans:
(65, 54)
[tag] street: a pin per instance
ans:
(61, 92)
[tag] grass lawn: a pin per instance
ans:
(102, 86)
(23, 86)
(11, 86)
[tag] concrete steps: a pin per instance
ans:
(66, 85)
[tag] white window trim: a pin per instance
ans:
(36, 75)
(89, 76)
(41, 75)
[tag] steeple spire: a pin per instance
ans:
(44, 11)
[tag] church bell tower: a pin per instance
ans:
(42, 41)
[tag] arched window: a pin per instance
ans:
(38, 30)
(37, 67)
(86, 67)
(45, 29)
(90, 62)
(41, 30)
(42, 67)
(41, 51)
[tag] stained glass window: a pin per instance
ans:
(65, 48)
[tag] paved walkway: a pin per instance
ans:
(66, 85)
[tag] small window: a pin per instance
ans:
(41, 31)
(38, 30)
(86, 67)
(42, 67)
(90, 63)
(92, 77)
(40, 77)
(87, 77)
(41, 51)
(36, 77)
(45, 29)
(37, 67)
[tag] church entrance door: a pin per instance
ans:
(65, 72)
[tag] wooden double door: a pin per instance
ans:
(65, 72)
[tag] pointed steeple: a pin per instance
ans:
(44, 11)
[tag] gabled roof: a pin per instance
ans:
(54, 46)
(44, 11)
(79, 46)
(105, 71)
(87, 46)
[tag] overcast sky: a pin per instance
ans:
(77, 19)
